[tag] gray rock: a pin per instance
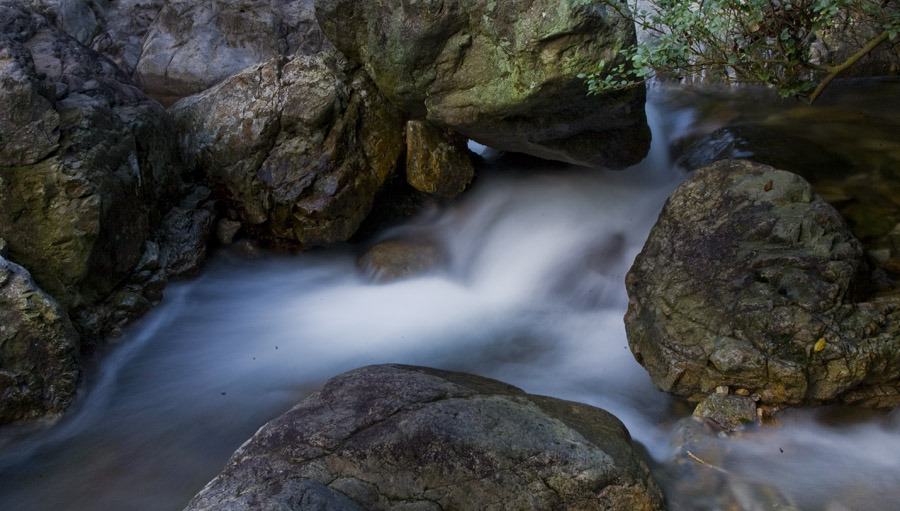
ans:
(79, 18)
(89, 163)
(412, 438)
(750, 280)
(299, 148)
(39, 349)
(502, 73)
(437, 161)
(183, 236)
(191, 45)
(123, 29)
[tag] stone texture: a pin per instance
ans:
(412, 438)
(299, 147)
(191, 45)
(39, 349)
(502, 73)
(88, 163)
(743, 276)
(185, 232)
(437, 161)
(729, 411)
(401, 258)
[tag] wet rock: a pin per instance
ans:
(39, 349)
(502, 73)
(402, 258)
(299, 148)
(89, 163)
(226, 230)
(437, 161)
(750, 280)
(730, 411)
(767, 145)
(184, 235)
(401, 437)
(699, 478)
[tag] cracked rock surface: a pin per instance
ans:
(299, 147)
(750, 280)
(38, 349)
(397, 437)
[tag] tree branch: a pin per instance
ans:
(874, 43)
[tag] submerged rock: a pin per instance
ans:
(750, 280)
(88, 163)
(502, 73)
(39, 349)
(399, 438)
(299, 148)
(400, 258)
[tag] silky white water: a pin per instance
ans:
(534, 295)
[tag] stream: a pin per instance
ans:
(534, 296)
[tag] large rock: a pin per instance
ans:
(88, 162)
(299, 147)
(81, 19)
(191, 45)
(749, 280)
(502, 73)
(412, 438)
(175, 48)
(38, 349)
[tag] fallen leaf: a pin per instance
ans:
(820, 345)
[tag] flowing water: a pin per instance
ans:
(533, 295)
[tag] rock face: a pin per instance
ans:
(400, 437)
(180, 47)
(750, 280)
(88, 162)
(191, 45)
(437, 161)
(502, 73)
(299, 147)
(38, 349)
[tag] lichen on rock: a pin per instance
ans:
(743, 275)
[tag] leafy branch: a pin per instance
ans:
(778, 43)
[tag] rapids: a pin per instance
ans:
(534, 296)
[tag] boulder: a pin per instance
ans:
(437, 161)
(191, 45)
(502, 73)
(39, 349)
(299, 147)
(749, 280)
(88, 163)
(399, 437)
